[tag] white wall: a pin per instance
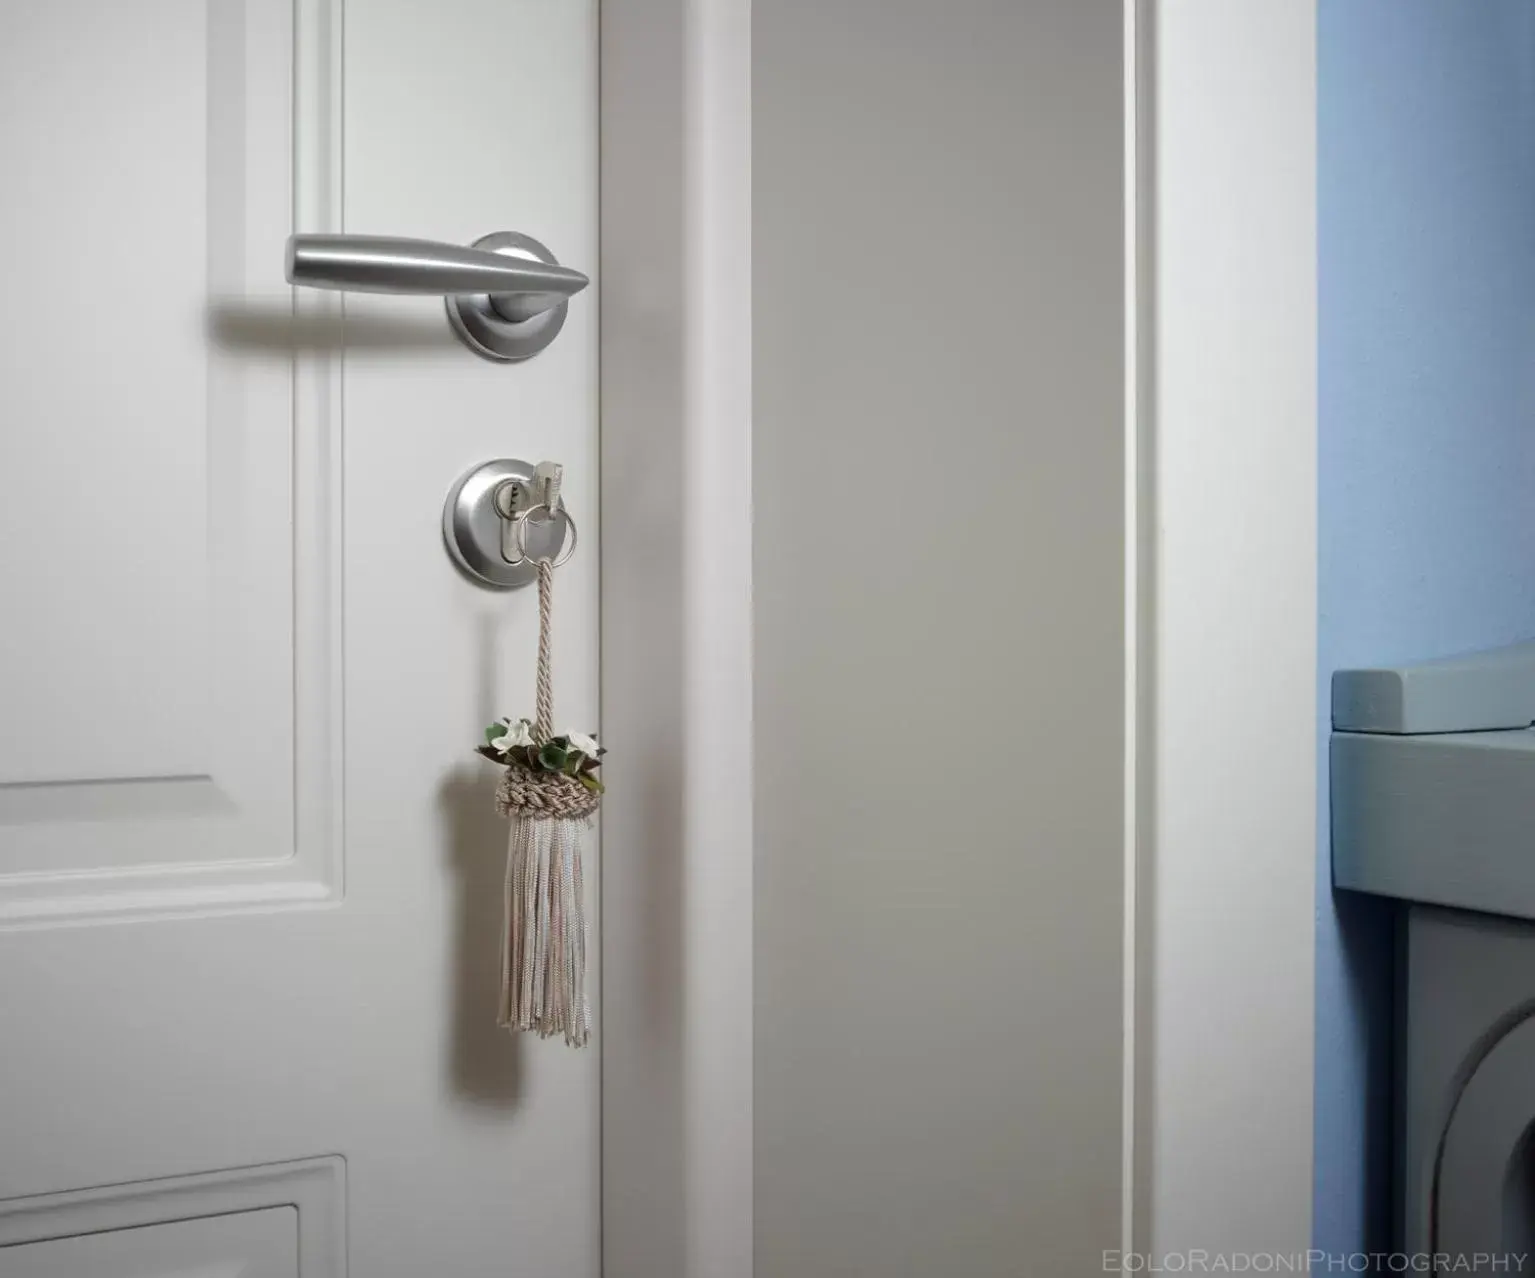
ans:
(938, 347)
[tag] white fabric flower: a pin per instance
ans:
(585, 744)
(517, 734)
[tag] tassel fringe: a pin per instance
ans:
(543, 946)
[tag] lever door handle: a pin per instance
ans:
(519, 288)
(506, 293)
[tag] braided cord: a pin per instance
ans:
(543, 727)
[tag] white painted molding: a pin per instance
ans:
(676, 598)
(717, 543)
(1232, 775)
(1134, 1180)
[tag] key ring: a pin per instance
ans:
(520, 532)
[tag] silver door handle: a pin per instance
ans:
(506, 293)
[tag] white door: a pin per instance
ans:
(250, 873)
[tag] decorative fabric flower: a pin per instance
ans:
(513, 734)
(585, 744)
(572, 754)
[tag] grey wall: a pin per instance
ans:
(939, 476)
(1426, 424)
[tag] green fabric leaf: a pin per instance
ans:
(552, 758)
(495, 730)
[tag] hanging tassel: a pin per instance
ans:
(543, 973)
(549, 791)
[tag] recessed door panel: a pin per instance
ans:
(254, 1244)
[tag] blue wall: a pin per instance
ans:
(1426, 206)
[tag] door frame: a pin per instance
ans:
(1220, 670)
(1228, 430)
(676, 407)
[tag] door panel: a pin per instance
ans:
(164, 581)
(249, 867)
(252, 1244)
